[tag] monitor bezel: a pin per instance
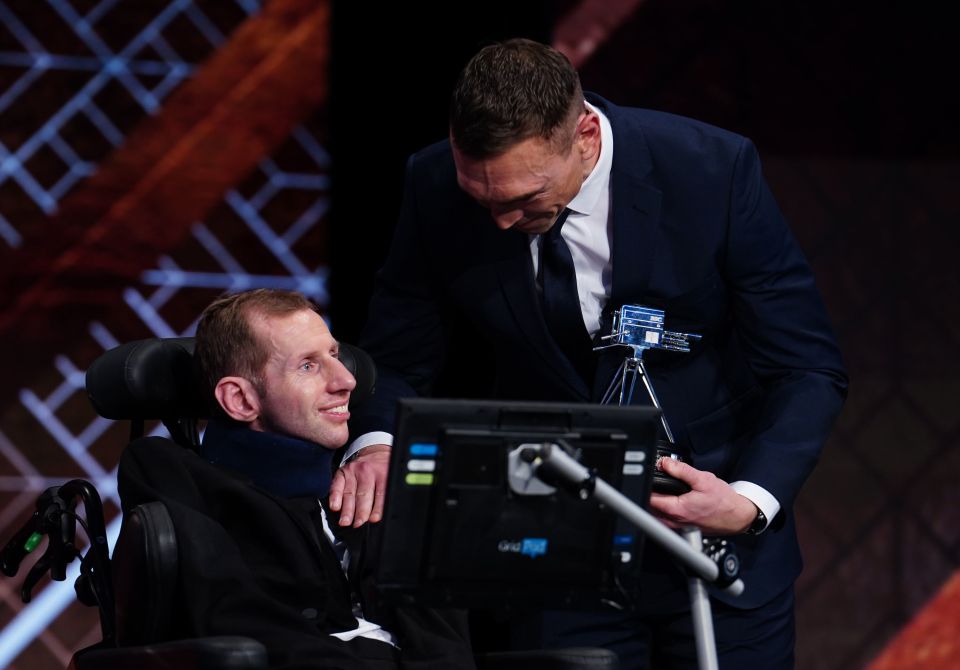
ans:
(408, 566)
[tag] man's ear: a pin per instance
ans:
(588, 135)
(238, 398)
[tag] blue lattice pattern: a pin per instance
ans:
(164, 306)
(266, 232)
(100, 69)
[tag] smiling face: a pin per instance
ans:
(305, 388)
(527, 186)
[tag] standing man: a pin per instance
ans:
(594, 206)
(257, 554)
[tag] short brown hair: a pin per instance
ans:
(512, 91)
(226, 344)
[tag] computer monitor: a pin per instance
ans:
(457, 534)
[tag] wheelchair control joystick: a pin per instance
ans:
(56, 518)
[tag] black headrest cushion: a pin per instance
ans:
(155, 379)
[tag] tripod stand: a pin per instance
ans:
(639, 329)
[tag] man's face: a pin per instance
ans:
(527, 186)
(306, 387)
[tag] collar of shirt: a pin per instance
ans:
(588, 235)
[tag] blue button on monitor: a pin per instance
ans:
(421, 449)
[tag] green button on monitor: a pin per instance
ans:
(419, 478)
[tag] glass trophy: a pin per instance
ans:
(638, 329)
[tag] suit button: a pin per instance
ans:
(309, 613)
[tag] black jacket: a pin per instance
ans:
(255, 565)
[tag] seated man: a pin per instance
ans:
(258, 556)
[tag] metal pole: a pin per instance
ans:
(559, 462)
(700, 609)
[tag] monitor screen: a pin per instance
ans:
(458, 533)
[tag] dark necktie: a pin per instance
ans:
(561, 301)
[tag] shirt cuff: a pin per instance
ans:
(368, 439)
(760, 497)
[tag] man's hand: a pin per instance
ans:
(359, 487)
(711, 505)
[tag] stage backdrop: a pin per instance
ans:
(155, 153)
(152, 156)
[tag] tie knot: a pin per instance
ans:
(554, 231)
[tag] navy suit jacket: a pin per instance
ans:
(696, 232)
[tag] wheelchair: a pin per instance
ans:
(150, 380)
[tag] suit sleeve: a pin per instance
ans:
(404, 332)
(786, 335)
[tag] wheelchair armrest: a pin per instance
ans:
(145, 567)
(204, 653)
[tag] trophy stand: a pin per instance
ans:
(639, 329)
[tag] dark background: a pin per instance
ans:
(853, 109)
(803, 80)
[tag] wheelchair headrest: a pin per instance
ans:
(155, 379)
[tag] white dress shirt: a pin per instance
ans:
(364, 628)
(588, 232)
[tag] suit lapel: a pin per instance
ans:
(636, 233)
(516, 279)
(305, 515)
(635, 205)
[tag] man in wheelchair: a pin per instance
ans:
(261, 552)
